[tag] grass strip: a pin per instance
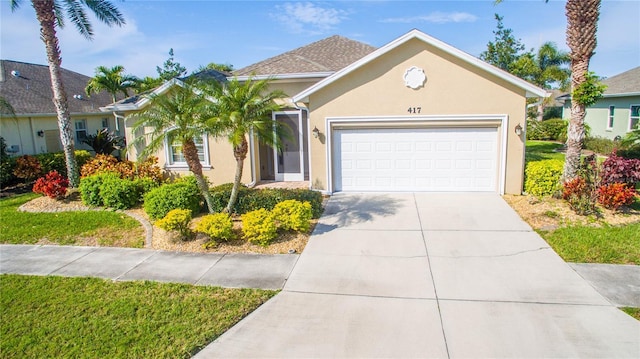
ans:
(607, 244)
(52, 317)
(634, 312)
(63, 227)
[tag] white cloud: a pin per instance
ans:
(306, 17)
(435, 18)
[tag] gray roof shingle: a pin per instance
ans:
(626, 82)
(327, 55)
(30, 92)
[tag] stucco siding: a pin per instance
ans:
(597, 115)
(453, 87)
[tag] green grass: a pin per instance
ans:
(542, 150)
(634, 312)
(608, 244)
(53, 317)
(110, 228)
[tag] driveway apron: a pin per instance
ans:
(430, 275)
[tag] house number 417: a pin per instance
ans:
(414, 109)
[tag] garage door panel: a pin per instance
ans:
(461, 159)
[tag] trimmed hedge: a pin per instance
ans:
(542, 178)
(554, 129)
(183, 194)
(253, 199)
(600, 145)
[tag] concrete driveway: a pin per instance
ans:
(430, 275)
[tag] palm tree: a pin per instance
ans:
(245, 108)
(50, 14)
(177, 117)
(582, 24)
(111, 80)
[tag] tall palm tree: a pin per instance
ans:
(246, 108)
(50, 15)
(177, 118)
(582, 24)
(111, 80)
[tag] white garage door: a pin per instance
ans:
(445, 159)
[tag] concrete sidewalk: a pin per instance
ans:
(225, 270)
(430, 275)
(620, 284)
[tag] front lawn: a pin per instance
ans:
(542, 150)
(587, 244)
(634, 312)
(53, 317)
(103, 228)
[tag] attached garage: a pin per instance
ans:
(416, 159)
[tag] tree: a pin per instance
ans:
(104, 142)
(220, 67)
(111, 80)
(50, 15)
(177, 118)
(246, 108)
(170, 69)
(505, 50)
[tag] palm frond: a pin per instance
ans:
(78, 17)
(105, 12)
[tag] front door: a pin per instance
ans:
(289, 159)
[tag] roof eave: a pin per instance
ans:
(530, 90)
(144, 100)
(291, 76)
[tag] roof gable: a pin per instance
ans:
(324, 56)
(27, 87)
(531, 90)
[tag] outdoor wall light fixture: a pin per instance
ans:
(40, 133)
(315, 132)
(518, 130)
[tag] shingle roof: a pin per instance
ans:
(626, 82)
(30, 91)
(327, 55)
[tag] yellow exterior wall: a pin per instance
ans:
(23, 130)
(453, 87)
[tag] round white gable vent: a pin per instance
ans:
(414, 77)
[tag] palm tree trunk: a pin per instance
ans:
(190, 153)
(240, 153)
(575, 132)
(46, 16)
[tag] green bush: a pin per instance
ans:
(7, 165)
(293, 215)
(252, 199)
(144, 185)
(119, 193)
(90, 189)
(542, 178)
(177, 220)
(259, 226)
(182, 194)
(630, 153)
(56, 162)
(601, 145)
(552, 129)
(217, 226)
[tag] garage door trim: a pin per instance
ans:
(423, 122)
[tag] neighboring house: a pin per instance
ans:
(414, 115)
(27, 87)
(618, 111)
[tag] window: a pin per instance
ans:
(176, 158)
(81, 130)
(105, 124)
(610, 121)
(634, 117)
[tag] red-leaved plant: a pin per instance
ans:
(617, 169)
(615, 195)
(52, 185)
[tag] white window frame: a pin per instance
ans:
(105, 123)
(77, 130)
(611, 117)
(631, 118)
(168, 150)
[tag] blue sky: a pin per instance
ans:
(245, 32)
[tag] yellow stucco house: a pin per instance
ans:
(414, 115)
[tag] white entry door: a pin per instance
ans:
(443, 159)
(289, 159)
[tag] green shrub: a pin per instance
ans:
(542, 178)
(119, 193)
(601, 145)
(552, 129)
(293, 215)
(217, 226)
(55, 161)
(259, 226)
(177, 220)
(252, 199)
(90, 189)
(144, 185)
(182, 194)
(7, 165)
(630, 153)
